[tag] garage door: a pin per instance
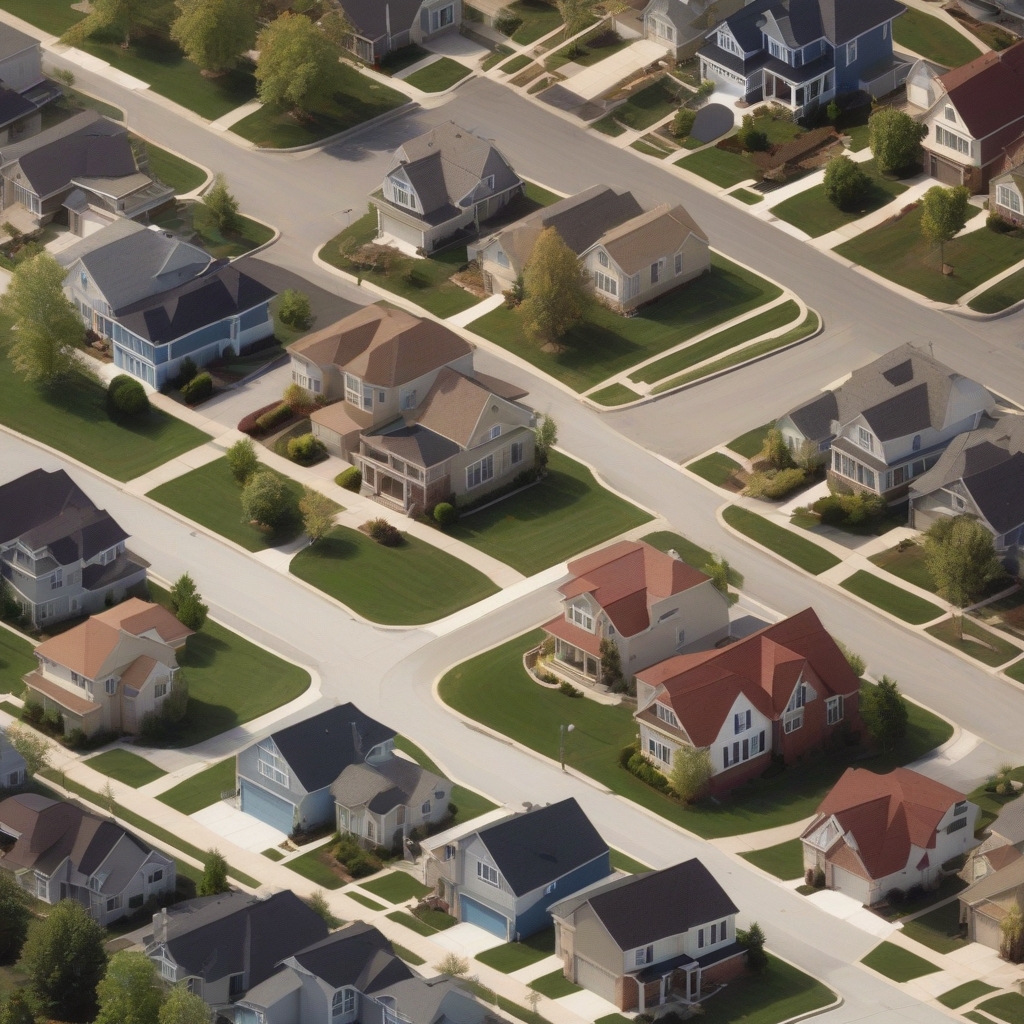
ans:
(484, 917)
(267, 807)
(594, 979)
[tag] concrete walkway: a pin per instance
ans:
(223, 123)
(597, 79)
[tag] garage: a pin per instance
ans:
(595, 980)
(267, 807)
(483, 917)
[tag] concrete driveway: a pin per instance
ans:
(597, 79)
(240, 828)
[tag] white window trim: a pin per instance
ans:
(488, 874)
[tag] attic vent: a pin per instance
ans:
(494, 408)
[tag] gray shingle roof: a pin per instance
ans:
(395, 782)
(415, 444)
(802, 21)
(814, 418)
(12, 41)
(657, 233)
(1010, 822)
(358, 955)
(371, 16)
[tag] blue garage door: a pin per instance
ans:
(267, 807)
(484, 917)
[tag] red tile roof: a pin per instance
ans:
(988, 93)
(569, 631)
(764, 666)
(627, 578)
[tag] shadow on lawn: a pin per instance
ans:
(557, 491)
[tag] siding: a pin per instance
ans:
(532, 909)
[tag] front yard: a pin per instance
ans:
(908, 564)
(16, 660)
(785, 861)
(440, 75)
(53, 16)
(202, 789)
(592, 48)
(995, 299)
(781, 992)
(939, 929)
(607, 343)
(172, 170)
(895, 600)
(647, 106)
(513, 956)
(988, 648)
(932, 38)
(126, 767)
(897, 963)
(194, 222)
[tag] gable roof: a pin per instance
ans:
(535, 848)
(136, 616)
(358, 955)
(1010, 822)
(393, 783)
(318, 749)
(371, 17)
(973, 88)
(660, 232)
(800, 22)
(814, 418)
(1008, 879)
(887, 814)
(383, 346)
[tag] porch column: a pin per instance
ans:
(697, 972)
(661, 993)
(640, 994)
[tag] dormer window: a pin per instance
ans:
(495, 431)
(799, 698)
(602, 257)
(343, 1002)
(864, 438)
(667, 715)
(580, 615)
(83, 280)
(489, 182)
(402, 195)
(727, 43)
(950, 114)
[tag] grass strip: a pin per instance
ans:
(785, 861)
(364, 900)
(554, 985)
(614, 394)
(750, 444)
(965, 993)
(273, 854)
(310, 866)
(890, 598)
(408, 955)
(897, 963)
(412, 923)
(12, 709)
(745, 195)
(202, 789)
(1009, 1007)
(397, 887)
(1001, 295)
(126, 767)
(623, 862)
(808, 556)
(16, 660)
(977, 642)
(717, 468)
(440, 75)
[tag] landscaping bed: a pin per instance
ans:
(440, 75)
(988, 648)
(126, 767)
(890, 598)
(202, 789)
(932, 38)
(808, 556)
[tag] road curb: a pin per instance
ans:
(348, 133)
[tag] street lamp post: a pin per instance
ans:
(563, 729)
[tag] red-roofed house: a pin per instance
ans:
(650, 604)
(783, 690)
(875, 833)
(972, 113)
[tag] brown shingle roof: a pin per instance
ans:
(83, 649)
(336, 417)
(75, 704)
(454, 404)
(644, 239)
(988, 92)
(136, 616)
(137, 672)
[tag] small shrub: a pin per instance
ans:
(351, 479)
(894, 897)
(198, 389)
(639, 766)
(32, 712)
(818, 880)
(774, 484)
(507, 22)
(306, 449)
(53, 721)
(750, 137)
(266, 501)
(187, 369)
(273, 418)
(192, 612)
(999, 224)
(850, 509)
(809, 876)
(383, 532)
(832, 111)
(627, 752)
(126, 398)
(242, 460)
(445, 514)
(845, 183)
(706, 88)
(76, 739)
(357, 862)
(568, 689)
(682, 123)
(294, 309)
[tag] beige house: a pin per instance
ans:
(107, 673)
(984, 904)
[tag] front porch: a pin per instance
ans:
(802, 97)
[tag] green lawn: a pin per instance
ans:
(402, 58)
(649, 105)
(607, 343)
(977, 1018)
(812, 212)
(607, 125)
(515, 955)
(53, 16)
(898, 963)
(397, 887)
(745, 195)
(566, 513)
(613, 1018)
(202, 789)
(614, 394)
(588, 50)
(231, 681)
(780, 993)
(982, 645)
(939, 929)
(965, 993)
(690, 553)
(12, 709)
(890, 598)
(1016, 671)
(311, 865)
(538, 19)
(16, 660)
(408, 955)
(732, 337)
(212, 497)
(750, 444)
(126, 767)
(722, 167)
(642, 147)
(364, 900)
(517, 63)
(554, 985)
(355, 98)
(440, 75)
(72, 418)
(717, 468)
(405, 585)
(932, 39)
(899, 252)
(785, 861)
(809, 556)
(172, 170)
(623, 862)
(412, 923)
(909, 564)
(803, 330)
(498, 54)
(192, 219)
(273, 854)
(999, 296)
(1008, 1007)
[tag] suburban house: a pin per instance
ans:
(222, 946)
(1006, 193)
(650, 604)
(804, 53)
(354, 976)
(57, 851)
(972, 114)
(874, 833)
(159, 299)
(780, 692)
(505, 876)
(637, 940)
(107, 673)
(61, 555)
(24, 90)
(980, 474)
(985, 903)
(84, 165)
(1002, 845)
(679, 25)
(440, 185)
(889, 422)
(380, 28)
(632, 256)
(12, 764)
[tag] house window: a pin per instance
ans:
(727, 43)
(666, 714)
(442, 18)
(644, 955)
(950, 114)
(834, 709)
(794, 723)
(602, 257)
(114, 903)
(110, 687)
(957, 142)
(494, 432)
(353, 390)
(156, 876)
(195, 986)
(714, 933)
(679, 262)
(382, 397)
(515, 451)
(425, 809)
(78, 680)
(167, 970)
(344, 1002)
(57, 580)
(680, 638)
(270, 764)
(658, 750)
(479, 472)
(655, 272)
(83, 280)
(799, 698)
(956, 825)
(409, 399)
(489, 182)
(401, 195)
(851, 51)
(776, 49)
(741, 722)
(915, 445)
(159, 689)
(236, 985)
(1008, 196)
(723, 931)
(449, 852)
(605, 283)
(486, 873)
(371, 829)
(960, 808)
(580, 615)
(864, 438)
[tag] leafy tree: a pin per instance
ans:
(895, 140)
(125, 17)
(556, 290)
(129, 992)
(184, 586)
(64, 959)
(944, 214)
(611, 665)
(17, 1009)
(192, 612)
(298, 62)
(1011, 946)
(775, 450)
(753, 941)
(294, 309)
(317, 513)
(264, 500)
(215, 33)
(885, 713)
(337, 27)
(751, 138)
(682, 123)
(808, 457)
(48, 329)
(183, 1007)
(845, 182)
(14, 917)
(223, 206)
(34, 750)
(545, 438)
(720, 572)
(691, 772)
(242, 460)
(215, 875)
(855, 661)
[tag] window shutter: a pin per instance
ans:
(725, 761)
(761, 737)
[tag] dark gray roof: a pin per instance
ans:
(535, 848)
(437, 1000)
(13, 105)
(358, 955)
(393, 783)
(12, 41)
(800, 22)
(814, 418)
(99, 577)
(715, 53)
(204, 300)
(658, 904)
(415, 444)
(369, 16)
(318, 749)
(804, 73)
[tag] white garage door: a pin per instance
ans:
(593, 978)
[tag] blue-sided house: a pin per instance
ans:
(803, 53)
(504, 877)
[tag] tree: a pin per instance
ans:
(336, 26)
(611, 665)
(775, 450)
(1011, 946)
(294, 309)
(242, 460)
(184, 586)
(895, 140)
(264, 500)
(682, 123)
(753, 941)
(129, 992)
(47, 327)
(125, 17)
(215, 33)
(691, 772)
(14, 917)
(109, 796)
(223, 206)
(17, 1009)
(808, 456)
(34, 750)
(215, 875)
(298, 62)
(64, 959)
(192, 612)
(183, 1007)
(453, 965)
(845, 182)
(750, 137)
(721, 573)
(885, 713)
(557, 296)
(545, 438)
(575, 14)
(944, 213)
(317, 513)
(855, 661)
